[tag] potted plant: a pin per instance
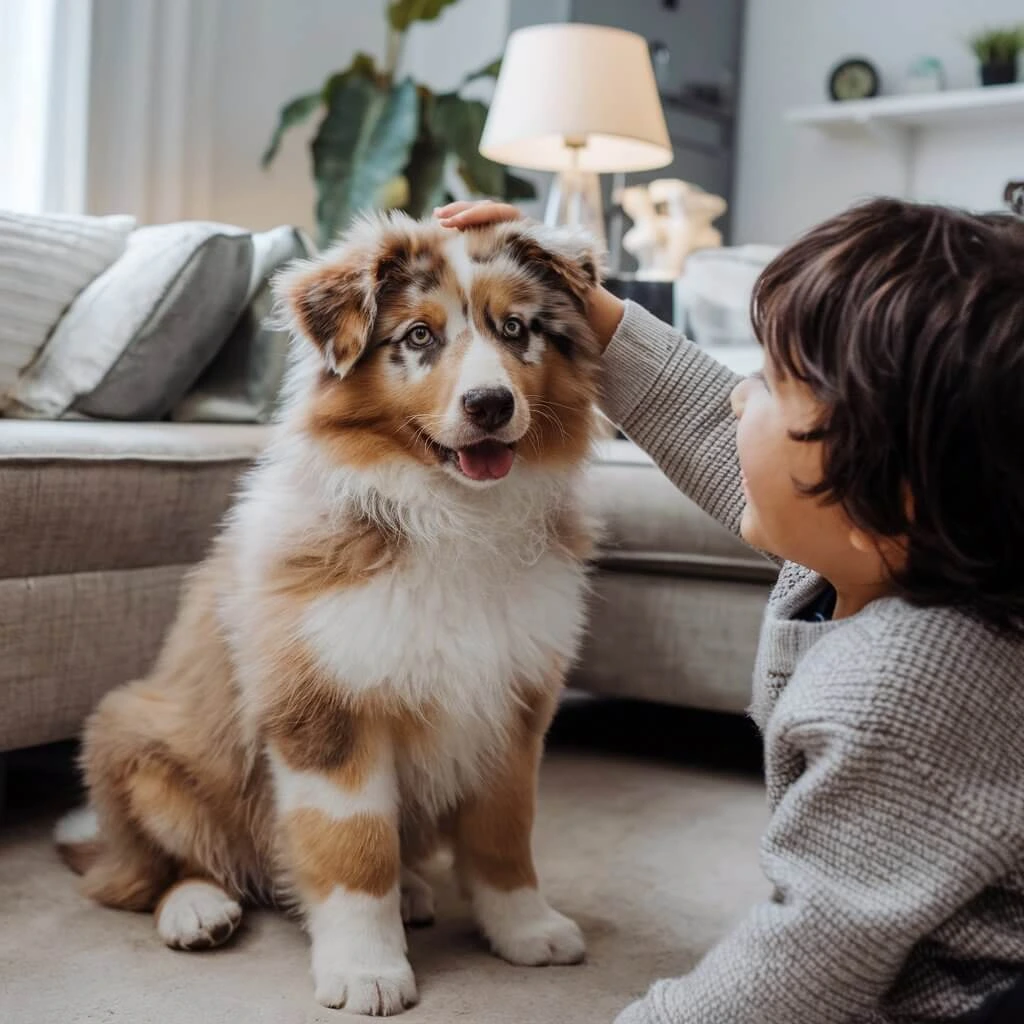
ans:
(387, 142)
(997, 51)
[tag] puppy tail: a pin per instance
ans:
(78, 840)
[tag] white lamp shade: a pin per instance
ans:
(584, 84)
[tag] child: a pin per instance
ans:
(880, 458)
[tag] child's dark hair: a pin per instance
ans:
(906, 321)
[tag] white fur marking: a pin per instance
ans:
(465, 622)
(78, 826)
(534, 354)
(197, 915)
(359, 960)
(461, 265)
(481, 367)
(523, 929)
(301, 789)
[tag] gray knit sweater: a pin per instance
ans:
(894, 745)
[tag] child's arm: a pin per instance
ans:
(868, 852)
(672, 399)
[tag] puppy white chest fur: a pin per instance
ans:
(452, 631)
(448, 628)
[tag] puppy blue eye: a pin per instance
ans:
(513, 328)
(419, 336)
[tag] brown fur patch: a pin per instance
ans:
(550, 267)
(320, 563)
(493, 828)
(80, 856)
(128, 878)
(334, 307)
(369, 418)
(162, 801)
(164, 760)
(360, 853)
(320, 735)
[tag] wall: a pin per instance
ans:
(185, 95)
(790, 176)
(267, 59)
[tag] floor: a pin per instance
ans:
(647, 834)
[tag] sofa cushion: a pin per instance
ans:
(85, 497)
(139, 336)
(45, 261)
(81, 497)
(671, 639)
(68, 639)
(243, 383)
(652, 527)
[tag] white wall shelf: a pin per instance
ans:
(963, 106)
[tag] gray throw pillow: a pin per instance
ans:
(136, 339)
(243, 382)
(179, 339)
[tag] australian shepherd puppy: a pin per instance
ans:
(366, 664)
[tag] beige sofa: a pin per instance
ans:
(100, 521)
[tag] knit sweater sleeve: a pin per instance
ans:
(868, 853)
(672, 399)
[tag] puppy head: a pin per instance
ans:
(464, 352)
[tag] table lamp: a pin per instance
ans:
(579, 100)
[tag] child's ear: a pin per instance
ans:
(331, 302)
(892, 550)
(861, 542)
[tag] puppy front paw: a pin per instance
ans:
(523, 929)
(358, 947)
(378, 992)
(196, 914)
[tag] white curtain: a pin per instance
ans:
(44, 103)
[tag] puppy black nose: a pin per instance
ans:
(489, 408)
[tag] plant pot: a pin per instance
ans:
(1002, 72)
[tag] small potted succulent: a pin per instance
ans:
(997, 51)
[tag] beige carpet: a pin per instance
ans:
(653, 855)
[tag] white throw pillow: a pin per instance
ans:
(45, 262)
(150, 323)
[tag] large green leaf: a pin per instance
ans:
(489, 71)
(292, 114)
(459, 124)
(362, 66)
(300, 108)
(425, 170)
(425, 175)
(402, 13)
(363, 144)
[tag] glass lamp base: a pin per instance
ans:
(574, 200)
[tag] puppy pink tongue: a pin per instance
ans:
(488, 460)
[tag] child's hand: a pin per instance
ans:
(604, 310)
(472, 214)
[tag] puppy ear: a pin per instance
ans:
(566, 258)
(331, 302)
